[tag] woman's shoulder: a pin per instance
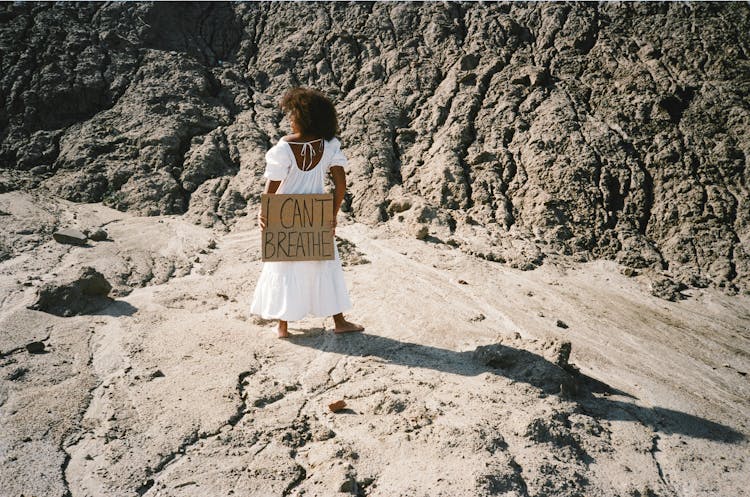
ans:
(334, 142)
(281, 146)
(284, 140)
(279, 152)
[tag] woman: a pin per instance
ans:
(291, 290)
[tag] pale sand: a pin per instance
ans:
(240, 412)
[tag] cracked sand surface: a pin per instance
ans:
(176, 390)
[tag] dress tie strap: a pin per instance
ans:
(311, 151)
(307, 146)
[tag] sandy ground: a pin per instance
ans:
(176, 389)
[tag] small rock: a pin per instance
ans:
(323, 434)
(462, 282)
(354, 487)
(349, 487)
(211, 244)
(99, 235)
(562, 354)
(35, 347)
(422, 232)
(18, 373)
(144, 486)
(629, 272)
(561, 324)
(71, 236)
(157, 374)
(477, 318)
(337, 406)
(665, 288)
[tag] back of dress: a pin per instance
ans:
(281, 165)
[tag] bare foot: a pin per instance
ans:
(344, 326)
(282, 329)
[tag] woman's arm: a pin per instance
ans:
(271, 187)
(339, 184)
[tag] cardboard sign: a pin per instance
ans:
(297, 227)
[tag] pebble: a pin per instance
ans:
(98, 235)
(35, 347)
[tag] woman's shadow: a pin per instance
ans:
(521, 365)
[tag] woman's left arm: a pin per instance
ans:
(339, 183)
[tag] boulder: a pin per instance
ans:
(83, 294)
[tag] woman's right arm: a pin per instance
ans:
(271, 187)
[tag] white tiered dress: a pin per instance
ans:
(291, 290)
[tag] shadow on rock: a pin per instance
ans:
(553, 376)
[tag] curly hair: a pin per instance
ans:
(314, 112)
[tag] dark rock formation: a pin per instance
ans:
(616, 130)
(85, 293)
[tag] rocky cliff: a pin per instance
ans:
(512, 131)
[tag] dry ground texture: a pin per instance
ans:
(546, 233)
(460, 385)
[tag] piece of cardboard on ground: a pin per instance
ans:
(297, 227)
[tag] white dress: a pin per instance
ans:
(291, 290)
